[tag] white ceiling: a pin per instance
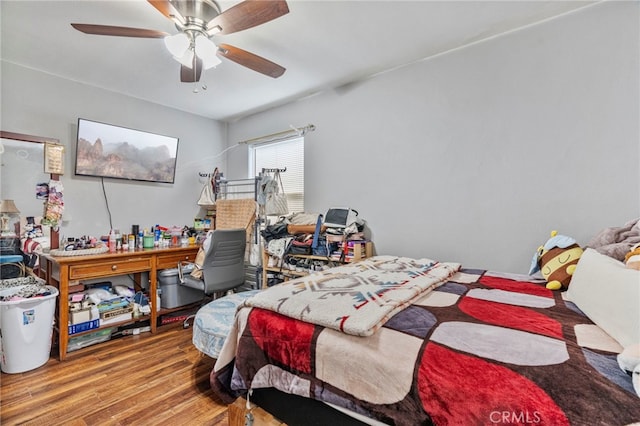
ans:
(322, 44)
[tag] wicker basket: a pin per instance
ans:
(236, 214)
(82, 252)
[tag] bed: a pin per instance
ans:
(441, 344)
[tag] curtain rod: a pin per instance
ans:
(280, 136)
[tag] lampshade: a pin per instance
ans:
(177, 44)
(8, 206)
(186, 59)
(207, 51)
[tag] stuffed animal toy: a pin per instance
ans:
(632, 259)
(556, 260)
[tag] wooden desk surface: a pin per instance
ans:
(119, 254)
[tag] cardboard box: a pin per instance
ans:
(80, 316)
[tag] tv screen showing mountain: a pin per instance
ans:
(105, 150)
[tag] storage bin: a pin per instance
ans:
(27, 327)
(172, 294)
(89, 339)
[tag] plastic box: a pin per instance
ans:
(89, 339)
(172, 294)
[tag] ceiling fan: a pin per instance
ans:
(199, 20)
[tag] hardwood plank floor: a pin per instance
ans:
(149, 379)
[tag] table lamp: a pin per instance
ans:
(7, 207)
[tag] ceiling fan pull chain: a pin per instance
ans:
(195, 75)
(203, 81)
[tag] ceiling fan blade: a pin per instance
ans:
(248, 14)
(191, 75)
(110, 30)
(167, 9)
(250, 60)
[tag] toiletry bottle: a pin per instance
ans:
(112, 241)
(118, 239)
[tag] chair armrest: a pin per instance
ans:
(183, 264)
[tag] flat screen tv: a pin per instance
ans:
(105, 150)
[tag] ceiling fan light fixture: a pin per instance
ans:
(186, 59)
(207, 51)
(212, 62)
(177, 44)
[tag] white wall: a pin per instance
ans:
(44, 105)
(476, 155)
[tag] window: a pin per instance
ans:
(287, 154)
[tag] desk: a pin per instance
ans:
(59, 270)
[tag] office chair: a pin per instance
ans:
(223, 265)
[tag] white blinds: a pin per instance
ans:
(287, 154)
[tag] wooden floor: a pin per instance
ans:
(149, 379)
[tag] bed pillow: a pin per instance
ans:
(609, 294)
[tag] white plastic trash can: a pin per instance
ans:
(26, 328)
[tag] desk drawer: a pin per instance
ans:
(113, 267)
(166, 261)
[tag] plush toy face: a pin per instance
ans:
(632, 259)
(557, 265)
(556, 260)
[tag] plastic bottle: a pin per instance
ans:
(118, 239)
(112, 241)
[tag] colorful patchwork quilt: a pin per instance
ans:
(481, 348)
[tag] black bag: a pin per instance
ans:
(301, 244)
(277, 230)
